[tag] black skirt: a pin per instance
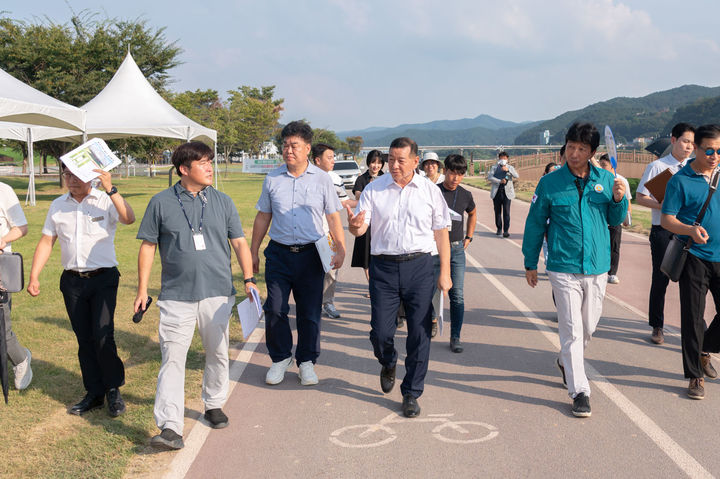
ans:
(361, 251)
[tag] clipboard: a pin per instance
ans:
(656, 186)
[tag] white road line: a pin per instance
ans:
(673, 450)
(198, 434)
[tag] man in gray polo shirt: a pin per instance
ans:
(194, 225)
(295, 197)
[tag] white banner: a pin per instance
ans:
(260, 165)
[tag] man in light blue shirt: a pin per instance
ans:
(294, 198)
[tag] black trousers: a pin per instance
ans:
(615, 238)
(697, 277)
(409, 282)
(302, 274)
(90, 304)
(501, 203)
(659, 239)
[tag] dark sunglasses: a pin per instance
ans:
(711, 152)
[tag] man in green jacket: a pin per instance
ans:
(574, 206)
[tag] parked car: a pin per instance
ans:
(348, 171)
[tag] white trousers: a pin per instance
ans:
(176, 330)
(579, 301)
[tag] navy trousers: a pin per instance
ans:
(302, 274)
(409, 282)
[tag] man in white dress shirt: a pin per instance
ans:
(84, 220)
(408, 216)
(682, 139)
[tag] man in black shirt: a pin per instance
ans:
(459, 201)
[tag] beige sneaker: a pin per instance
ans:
(657, 336)
(696, 388)
(23, 372)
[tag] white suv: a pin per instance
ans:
(348, 171)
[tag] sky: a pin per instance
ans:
(353, 64)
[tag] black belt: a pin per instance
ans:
(294, 248)
(399, 258)
(88, 274)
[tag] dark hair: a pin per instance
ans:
(549, 167)
(681, 128)
(297, 128)
(604, 158)
(706, 131)
(375, 155)
(562, 151)
(404, 142)
(584, 133)
(188, 152)
(503, 154)
(456, 163)
(319, 148)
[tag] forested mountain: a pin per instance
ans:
(470, 136)
(698, 113)
(628, 117)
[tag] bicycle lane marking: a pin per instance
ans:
(673, 450)
(198, 434)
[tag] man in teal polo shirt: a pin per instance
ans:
(685, 195)
(580, 200)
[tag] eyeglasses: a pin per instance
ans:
(69, 176)
(711, 152)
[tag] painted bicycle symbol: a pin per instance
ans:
(374, 435)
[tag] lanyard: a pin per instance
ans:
(203, 200)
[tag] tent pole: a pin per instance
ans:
(30, 198)
(216, 165)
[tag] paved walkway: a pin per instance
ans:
(496, 410)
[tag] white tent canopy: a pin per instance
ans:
(130, 106)
(24, 104)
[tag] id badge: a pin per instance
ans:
(199, 241)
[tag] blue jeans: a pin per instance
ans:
(457, 276)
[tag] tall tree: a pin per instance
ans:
(354, 144)
(255, 113)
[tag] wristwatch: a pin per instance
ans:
(112, 191)
(469, 238)
(250, 280)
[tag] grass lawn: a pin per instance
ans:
(38, 437)
(525, 190)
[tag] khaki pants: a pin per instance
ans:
(176, 330)
(579, 301)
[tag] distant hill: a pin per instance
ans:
(628, 117)
(470, 136)
(479, 127)
(698, 113)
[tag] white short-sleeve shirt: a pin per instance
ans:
(85, 230)
(11, 214)
(651, 171)
(402, 220)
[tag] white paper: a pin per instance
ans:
(93, 155)
(250, 313)
(454, 215)
(325, 251)
(440, 313)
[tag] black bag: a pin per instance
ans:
(676, 253)
(12, 279)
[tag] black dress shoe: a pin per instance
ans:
(387, 379)
(410, 406)
(116, 405)
(88, 403)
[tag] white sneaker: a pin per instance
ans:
(307, 374)
(330, 311)
(613, 279)
(23, 372)
(276, 373)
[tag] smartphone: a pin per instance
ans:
(137, 317)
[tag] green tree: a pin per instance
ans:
(254, 112)
(74, 61)
(354, 144)
(329, 137)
